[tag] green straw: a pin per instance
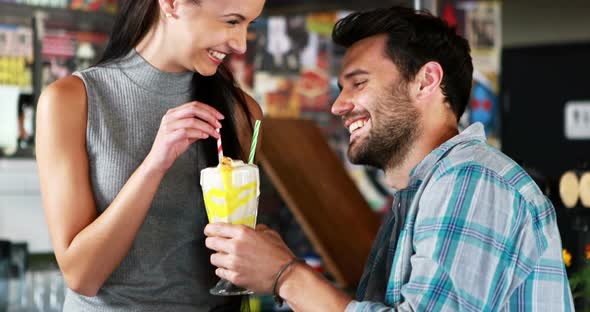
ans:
(254, 141)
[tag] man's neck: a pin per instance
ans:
(397, 175)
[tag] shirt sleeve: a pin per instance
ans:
(474, 243)
(365, 306)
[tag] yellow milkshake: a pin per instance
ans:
(231, 192)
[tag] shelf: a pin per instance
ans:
(283, 7)
(64, 18)
(28, 165)
(22, 90)
(26, 90)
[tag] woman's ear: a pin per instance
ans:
(168, 8)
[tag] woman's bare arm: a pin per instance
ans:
(89, 248)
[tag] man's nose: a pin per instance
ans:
(342, 105)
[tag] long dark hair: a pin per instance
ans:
(415, 38)
(220, 90)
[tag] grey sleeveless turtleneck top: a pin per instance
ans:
(167, 268)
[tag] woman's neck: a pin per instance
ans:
(153, 49)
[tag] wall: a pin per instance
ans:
(535, 22)
(21, 215)
(525, 22)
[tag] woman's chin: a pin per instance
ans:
(206, 71)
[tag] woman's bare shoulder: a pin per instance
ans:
(64, 96)
(253, 106)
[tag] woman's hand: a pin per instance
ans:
(246, 257)
(181, 127)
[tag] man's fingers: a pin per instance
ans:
(274, 233)
(226, 274)
(223, 260)
(219, 244)
(262, 227)
(267, 230)
(226, 230)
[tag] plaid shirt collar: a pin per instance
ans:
(474, 132)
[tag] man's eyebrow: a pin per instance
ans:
(355, 72)
(351, 74)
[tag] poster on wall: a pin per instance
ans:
(314, 85)
(16, 56)
(483, 31)
(275, 68)
(242, 66)
(291, 63)
(65, 52)
(16, 104)
(291, 68)
(480, 23)
(109, 6)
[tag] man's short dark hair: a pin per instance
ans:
(414, 38)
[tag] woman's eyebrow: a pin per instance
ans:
(239, 16)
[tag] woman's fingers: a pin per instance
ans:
(187, 134)
(201, 105)
(198, 110)
(193, 123)
(181, 127)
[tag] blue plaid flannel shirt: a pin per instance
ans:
(473, 233)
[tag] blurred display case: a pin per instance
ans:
(40, 42)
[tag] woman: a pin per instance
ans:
(118, 168)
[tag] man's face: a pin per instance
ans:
(375, 106)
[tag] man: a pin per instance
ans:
(468, 231)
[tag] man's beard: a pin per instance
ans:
(394, 127)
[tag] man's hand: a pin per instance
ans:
(246, 257)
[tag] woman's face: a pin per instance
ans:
(205, 32)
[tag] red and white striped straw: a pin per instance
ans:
(219, 147)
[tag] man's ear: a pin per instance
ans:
(428, 80)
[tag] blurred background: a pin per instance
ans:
(530, 90)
